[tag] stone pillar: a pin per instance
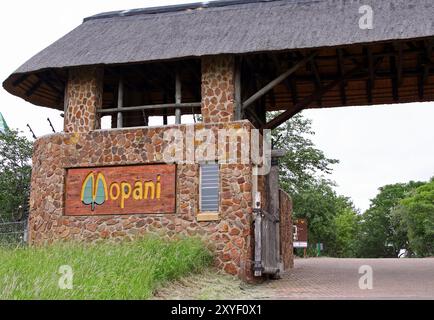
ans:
(83, 96)
(218, 89)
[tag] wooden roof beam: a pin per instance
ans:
(370, 83)
(290, 82)
(398, 47)
(34, 87)
(420, 78)
(316, 78)
(20, 79)
(424, 64)
(308, 100)
(50, 83)
(352, 58)
(277, 81)
(428, 62)
(341, 71)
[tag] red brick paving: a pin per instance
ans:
(327, 278)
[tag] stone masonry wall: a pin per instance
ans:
(230, 237)
(218, 89)
(83, 97)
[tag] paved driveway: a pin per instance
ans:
(325, 278)
(318, 278)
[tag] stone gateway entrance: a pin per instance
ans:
(167, 204)
(187, 91)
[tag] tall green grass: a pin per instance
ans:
(131, 270)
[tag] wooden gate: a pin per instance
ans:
(270, 253)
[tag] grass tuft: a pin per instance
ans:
(130, 270)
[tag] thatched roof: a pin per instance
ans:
(223, 27)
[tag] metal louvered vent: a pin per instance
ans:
(209, 187)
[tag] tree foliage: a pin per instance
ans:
(303, 164)
(417, 215)
(347, 224)
(382, 233)
(15, 172)
(303, 172)
(400, 217)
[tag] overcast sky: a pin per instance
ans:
(375, 145)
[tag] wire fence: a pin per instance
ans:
(13, 233)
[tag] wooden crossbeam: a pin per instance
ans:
(308, 100)
(151, 107)
(316, 78)
(276, 81)
(341, 69)
(178, 97)
(20, 79)
(256, 117)
(34, 87)
(290, 82)
(50, 83)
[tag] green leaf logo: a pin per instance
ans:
(94, 191)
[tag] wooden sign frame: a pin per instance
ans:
(120, 190)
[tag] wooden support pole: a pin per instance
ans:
(165, 118)
(272, 252)
(420, 78)
(341, 68)
(165, 111)
(276, 81)
(424, 63)
(371, 67)
(398, 47)
(120, 103)
(145, 118)
(178, 98)
(370, 83)
(65, 102)
(393, 71)
(293, 88)
(316, 78)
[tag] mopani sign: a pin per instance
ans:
(120, 190)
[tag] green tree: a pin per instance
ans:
(320, 205)
(15, 172)
(347, 226)
(382, 232)
(303, 164)
(417, 212)
(302, 175)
